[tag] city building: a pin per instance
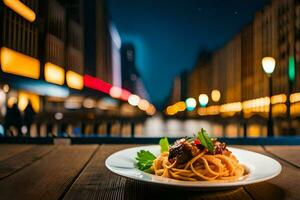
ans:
(98, 41)
(131, 79)
(235, 71)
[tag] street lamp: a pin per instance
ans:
(268, 65)
(203, 100)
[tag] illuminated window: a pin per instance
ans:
(21, 9)
(54, 74)
(17, 63)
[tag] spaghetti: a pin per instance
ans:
(202, 167)
(199, 158)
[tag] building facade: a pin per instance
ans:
(235, 69)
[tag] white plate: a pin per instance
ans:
(261, 168)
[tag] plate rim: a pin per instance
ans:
(183, 183)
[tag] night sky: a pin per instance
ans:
(168, 34)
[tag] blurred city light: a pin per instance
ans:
(89, 103)
(2, 97)
(73, 102)
(115, 92)
(107, 103)
(279, 98)
(151, 110)
(231, 107)
(215, 95)
(17, 63)
(58, 116)
(268, 64)
(21, 9)
(210, 110)
(133, 100)
(74, 80)
(25, 97)
(180, 106)
(171, 110)
(11, 101)
(256, 105)
(295, 97)
(6, 88)
(96, 84)
(190, 104)
(125, 95)
(295, 109)
(292, 69)
(54, 74)
(203, 100)
(143, 104)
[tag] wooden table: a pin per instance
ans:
(78, 172)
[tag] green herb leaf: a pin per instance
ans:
(164, 144)
(205, 140)
(145, 160)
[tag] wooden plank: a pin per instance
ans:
(49, 177)
(288, 153)
(284, 186)
(8, 150)
(97, 182)
(23, 159)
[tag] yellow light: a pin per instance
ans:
(143, 104)
(21, 9)
(295, 109)
(295, 97)
(151, 110)
(171, 110)
(25, 97)
(17, 63)
(11, 101)
(231, 107)
(202, 111)
(180, 106)
(256, 104)
(74, 80)
(215, 95)
(115, 92)
(133, 100)
(54, 74)
(279, 109)
(213, 110)
(280, 98)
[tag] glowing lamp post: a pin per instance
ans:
(268, 65)
(203, 100)
(190, 104)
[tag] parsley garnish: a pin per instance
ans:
(145, 160)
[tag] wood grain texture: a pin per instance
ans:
(284, 186)
(49, 177)
(97, 182)
(288, 153)
(22, 159)
(8, 150)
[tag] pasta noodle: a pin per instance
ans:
(202, 167)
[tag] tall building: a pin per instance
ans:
(97, 39)
(131, 79)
